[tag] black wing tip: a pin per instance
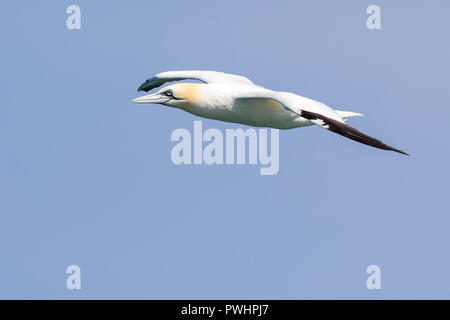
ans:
(349, 132)
(386, 147)
(402, 152)
(145, 87)
(150, 84)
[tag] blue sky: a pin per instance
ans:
(86, 176)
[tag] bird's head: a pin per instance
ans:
(178, 95)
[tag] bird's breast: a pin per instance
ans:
(252, 112)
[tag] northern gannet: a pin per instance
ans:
(234, 98)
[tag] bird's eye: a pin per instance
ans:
(169, 93)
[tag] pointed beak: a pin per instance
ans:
(151, 98)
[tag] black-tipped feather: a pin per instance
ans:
(155, 82)
(348, 131)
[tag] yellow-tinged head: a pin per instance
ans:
(178, 95)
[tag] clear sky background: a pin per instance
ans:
(86, 176)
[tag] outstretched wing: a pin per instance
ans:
(320, 115)
(347, 131)
(204, 76)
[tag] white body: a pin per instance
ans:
(220, 101)
(234, 98)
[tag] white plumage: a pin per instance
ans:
(234, 98)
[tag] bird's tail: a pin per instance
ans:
(348, 114)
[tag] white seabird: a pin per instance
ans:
(234, 98)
